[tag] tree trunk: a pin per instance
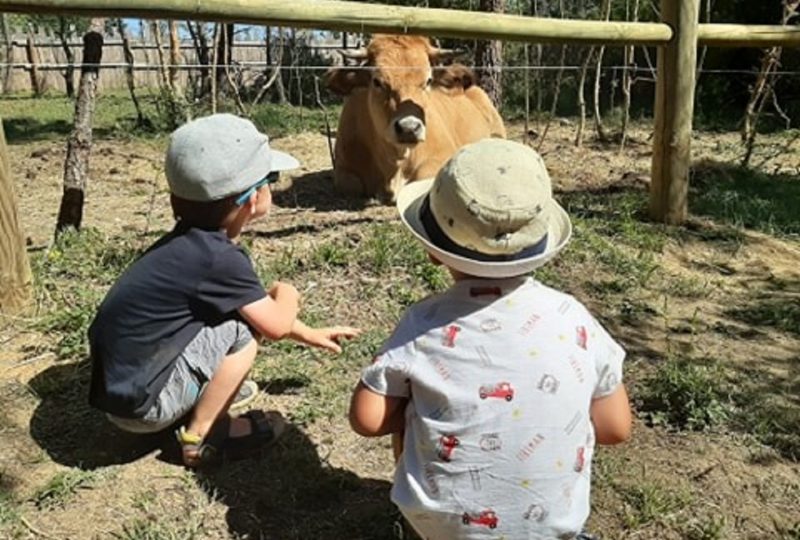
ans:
(764, 87)
(79, 145)
(280, 90)
(628, 78)
(33, 59)
(7, 44)
(155, 29)
(129, 73)
(270, 77)
(174, 56)
(69, 72)
(200, 41)
(489, 58)
(215, 63)
(598, 119)
(556, 97)
(224, 54)
(582, 97)
(15, 271)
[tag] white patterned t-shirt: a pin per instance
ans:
(500, 375)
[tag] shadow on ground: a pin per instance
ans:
(746, 197)
(290, 492)
(315, 191)
(74, 434)
(25, 129)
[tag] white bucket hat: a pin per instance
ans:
(220, 155)
(489, 212)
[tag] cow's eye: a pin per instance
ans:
(377, 83)
(429, 82)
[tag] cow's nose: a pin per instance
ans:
(409, 126)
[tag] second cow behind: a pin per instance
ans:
(405, 114)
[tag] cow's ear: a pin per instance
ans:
(456, 76)
(342, 81)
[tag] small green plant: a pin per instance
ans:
(331, 254)
(62, 487)
(684, 395)
(708, 529)
(141, 529)
(8, 510)
(650, 501)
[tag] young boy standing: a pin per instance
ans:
(500, 385)
(176, 334)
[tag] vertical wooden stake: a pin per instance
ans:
(79, 144)
(15, 271)
(674, 108)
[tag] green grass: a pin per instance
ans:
(62, 487)
(89, 263)
(50, 117)
(9, 513)
(747, 198)
(649, 501)
(771, 415)
(148, 529)
(685, 395)
(708, 529)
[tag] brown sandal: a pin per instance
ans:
(265, 429)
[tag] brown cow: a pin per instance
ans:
(404, 115)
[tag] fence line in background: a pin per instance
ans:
(323, 67)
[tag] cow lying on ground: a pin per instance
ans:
(405, 114)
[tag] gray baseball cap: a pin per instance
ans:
(220, 155)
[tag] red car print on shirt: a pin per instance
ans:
(450, 334)
(487, 518)
(580, 460)
(499, 390)
(447, 443)
(581, 337)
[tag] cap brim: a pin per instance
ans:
(281, 161)
(559, 231)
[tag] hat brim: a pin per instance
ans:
(281, 161)
(559, 231)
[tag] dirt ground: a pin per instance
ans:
(325, 482)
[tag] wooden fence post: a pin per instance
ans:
(15, 271)
(674, 108)
(79, 144)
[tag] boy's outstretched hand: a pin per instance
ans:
(324, 338)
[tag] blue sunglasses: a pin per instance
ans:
(271, 178)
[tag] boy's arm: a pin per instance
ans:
(611, 416)
(274, 315)
(373, 414)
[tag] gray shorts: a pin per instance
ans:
(193, 369)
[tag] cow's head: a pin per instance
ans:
(399, 73)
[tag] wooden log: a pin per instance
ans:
(15, 271)
(361, 17)
(674, 109)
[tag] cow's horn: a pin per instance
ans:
(357, 55)
(448, 54)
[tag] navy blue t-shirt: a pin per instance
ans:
(189, 279)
